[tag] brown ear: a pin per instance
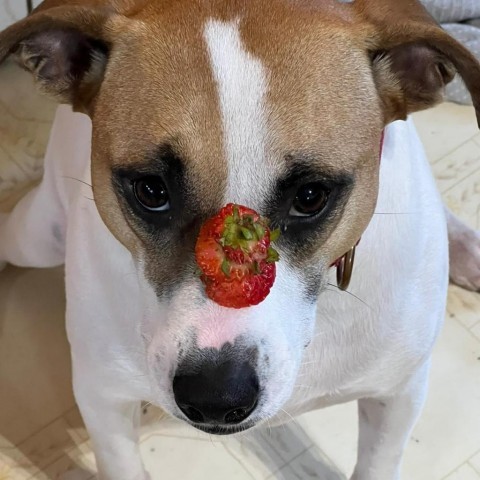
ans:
(66, 48)
(413, 57)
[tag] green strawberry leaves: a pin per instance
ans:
(242, 232)
(275, 235)
(273, 255)
(226, 267)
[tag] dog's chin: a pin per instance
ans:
(222, 430)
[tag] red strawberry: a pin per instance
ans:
(235, 257)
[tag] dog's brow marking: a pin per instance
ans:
(242, 85)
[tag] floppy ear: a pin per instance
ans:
(65, 45)
(413, 57)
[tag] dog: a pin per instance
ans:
(280, 106)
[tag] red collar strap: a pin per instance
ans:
(344, 264)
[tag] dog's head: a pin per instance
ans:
(276, 105)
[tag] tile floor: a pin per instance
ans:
(41, 432)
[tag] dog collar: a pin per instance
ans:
(345, 263)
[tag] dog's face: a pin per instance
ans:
(231, 110)
(195, 106)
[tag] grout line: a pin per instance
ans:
(460, 181)
(468, 330)
(450, 151)
(466, 462)
(291, 461)
(473, 335)
(49, 424)
(476, 140)
(312, 447)
(474, 325)
(455, 319)
(453, 471)
(70, 457)
(239, 461)
(474, 469)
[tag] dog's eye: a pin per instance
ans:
(152, 194)
(310, 200)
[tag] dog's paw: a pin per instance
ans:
(465, 257)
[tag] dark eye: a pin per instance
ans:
(310, 200)
(152, 194)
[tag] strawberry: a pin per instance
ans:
(235, 258)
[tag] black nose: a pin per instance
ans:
(224, 394)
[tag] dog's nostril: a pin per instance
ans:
(192, 413)
(238, 415)
(218, 394)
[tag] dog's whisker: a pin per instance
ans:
(269, 425)
(288, 415)
(77, 180)
(350, 293)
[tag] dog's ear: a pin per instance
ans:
(65, 45)
(413, 58)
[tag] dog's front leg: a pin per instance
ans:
(112, 423)
(385, 425)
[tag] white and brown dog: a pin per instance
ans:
(276, 105)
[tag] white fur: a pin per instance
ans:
(242, 85)
(376, 351)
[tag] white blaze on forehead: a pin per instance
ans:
(242, 84)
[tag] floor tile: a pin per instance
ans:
(261, 451)
(14, 465)
(47, 446)
(52, 450)
(466, 472)
(444, 128)
(58, 469)
(312, 464)
(458, 165)
(36, 386)
(334, 431)
(476, 330)
(267, 450)
(75, 422)
(448, 431)
(475, 462)
(165, 460)
(464, 200)
(464, 306)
